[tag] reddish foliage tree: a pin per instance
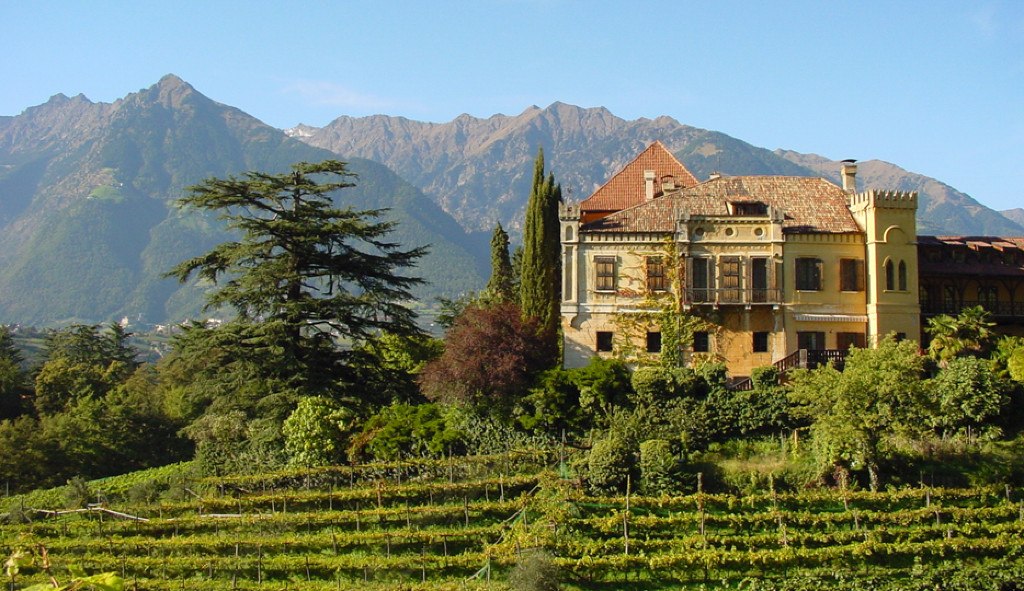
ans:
(491, 356)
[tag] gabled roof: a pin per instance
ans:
(809, 205)
(628, 188)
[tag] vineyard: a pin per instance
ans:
(466, 523)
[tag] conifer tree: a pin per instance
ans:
(539, 284)
(304, 274)
(500, 286)
(14, 380)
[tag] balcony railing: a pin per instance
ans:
(801, 359)
(732, 295)
(1008, 309)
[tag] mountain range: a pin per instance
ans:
(88, 223)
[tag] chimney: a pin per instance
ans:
(649, 177)
(849, 174)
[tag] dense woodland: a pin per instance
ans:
(323, 365)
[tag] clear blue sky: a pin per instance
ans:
(936, 87)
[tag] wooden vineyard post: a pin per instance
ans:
(625, 520)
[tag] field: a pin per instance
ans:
(465, 523)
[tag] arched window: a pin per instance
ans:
(890, 276)
(903, 275)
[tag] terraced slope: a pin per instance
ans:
(465, 523)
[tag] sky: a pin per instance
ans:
(935, 87)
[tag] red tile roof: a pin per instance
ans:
(987, 266)
(809, 205)
(628, 188)
(999, 242)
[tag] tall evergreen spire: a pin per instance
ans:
(500, 286)
(539, 285)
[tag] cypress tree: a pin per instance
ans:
(500, 286)
(539, 284)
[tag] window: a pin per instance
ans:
(758, 279)
(654, 342)
(902, 276)
(748, 208)
(605, 271)
(988, 296)
(701, 279)
(730, 291)
(808, 274)
(845, 340)
(760, 342)
(950, 300)
(890, 282)
(656, 279)
(851, 275)
(604, 341)
(701, 342)
(812, 341)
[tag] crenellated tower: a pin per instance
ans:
(888, 220)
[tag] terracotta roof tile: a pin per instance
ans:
(972, 268)
(628, 188)
(809, 205)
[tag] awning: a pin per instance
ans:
(831, 317)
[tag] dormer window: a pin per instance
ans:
(748, 208)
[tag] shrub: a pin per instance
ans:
(657, 467)
(534, 571)
(609, 465)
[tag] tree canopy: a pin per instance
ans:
(539, 275)
(305, 274)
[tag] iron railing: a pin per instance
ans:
(1010, 309)
(800, 359)
(731, 295)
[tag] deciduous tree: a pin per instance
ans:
(491, 357)
(877, 395)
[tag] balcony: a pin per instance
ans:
(731, 296)
(997, 309)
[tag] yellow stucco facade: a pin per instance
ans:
(757, 267)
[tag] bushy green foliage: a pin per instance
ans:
(14, 380)
(610, 465)
(657, 468)
(967, 334)
(604, 385)
(553, 405)
(535, 570)
(404, 430)
(879, 394)
(387, 367)
(967, 392)
(315, 432)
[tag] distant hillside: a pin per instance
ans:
(87, 223)
(941, 208)
(1014, 215)
(479, 170)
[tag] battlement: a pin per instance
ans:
(884, 199)
(569, 212)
